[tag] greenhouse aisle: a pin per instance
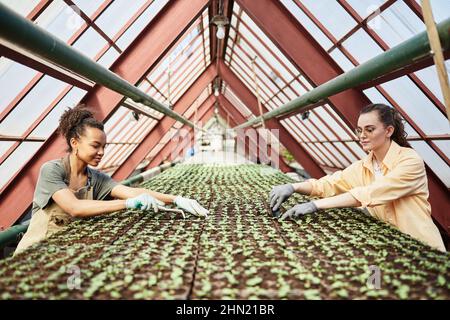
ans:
(239, 252)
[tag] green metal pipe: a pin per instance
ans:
(11, 234)
(133, 180)
(18, 31)
(394, 59)
(144, 176)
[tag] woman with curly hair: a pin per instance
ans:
(68, 189)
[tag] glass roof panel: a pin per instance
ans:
(417, 106)
(13, 79)
(21, 7)
(50, 122)
(16, 160)
(444, 146)
(430, 78)
(29, 109)
(88, 7)
(307, 23)
(90, 43)
(60, 20)
(141, 22)
(433, 161)
(331, 15)
(397, 24)
(117, 15)
(366, 7)
(362, 46)
(4, 146)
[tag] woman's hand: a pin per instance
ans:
(279, 194)
(143, 202)
(299, 210)
(191, 206)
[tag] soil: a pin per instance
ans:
(239, 252)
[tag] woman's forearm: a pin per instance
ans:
(166, 198)
(88, 208)
(344, 200)
(304, 187)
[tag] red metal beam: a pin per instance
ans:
(217, 47)
(415, 7)
(149, 47)
(231, 109)
(385, 47)
(38, 9)
(145, 51)
(274, 94)
(227, 109)
(249, 99)
(239, 118)
(224, 114)
(228, 12)
(151, 140)
(92, 24)
(212, 11)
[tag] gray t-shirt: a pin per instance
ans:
(52, 178)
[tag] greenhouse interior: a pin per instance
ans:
(224, 149)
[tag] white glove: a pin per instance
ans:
(143, 202)
(191, 206)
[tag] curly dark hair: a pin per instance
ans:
(73, 123)
(389, 117)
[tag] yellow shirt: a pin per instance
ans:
(399, 197)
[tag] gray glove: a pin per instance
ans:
(279, 194)
(299, 210)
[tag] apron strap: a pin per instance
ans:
(66, 164)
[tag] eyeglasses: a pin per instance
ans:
(367, 132)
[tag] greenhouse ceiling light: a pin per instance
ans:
(216, 86)
(220, 21)
(216, 108)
